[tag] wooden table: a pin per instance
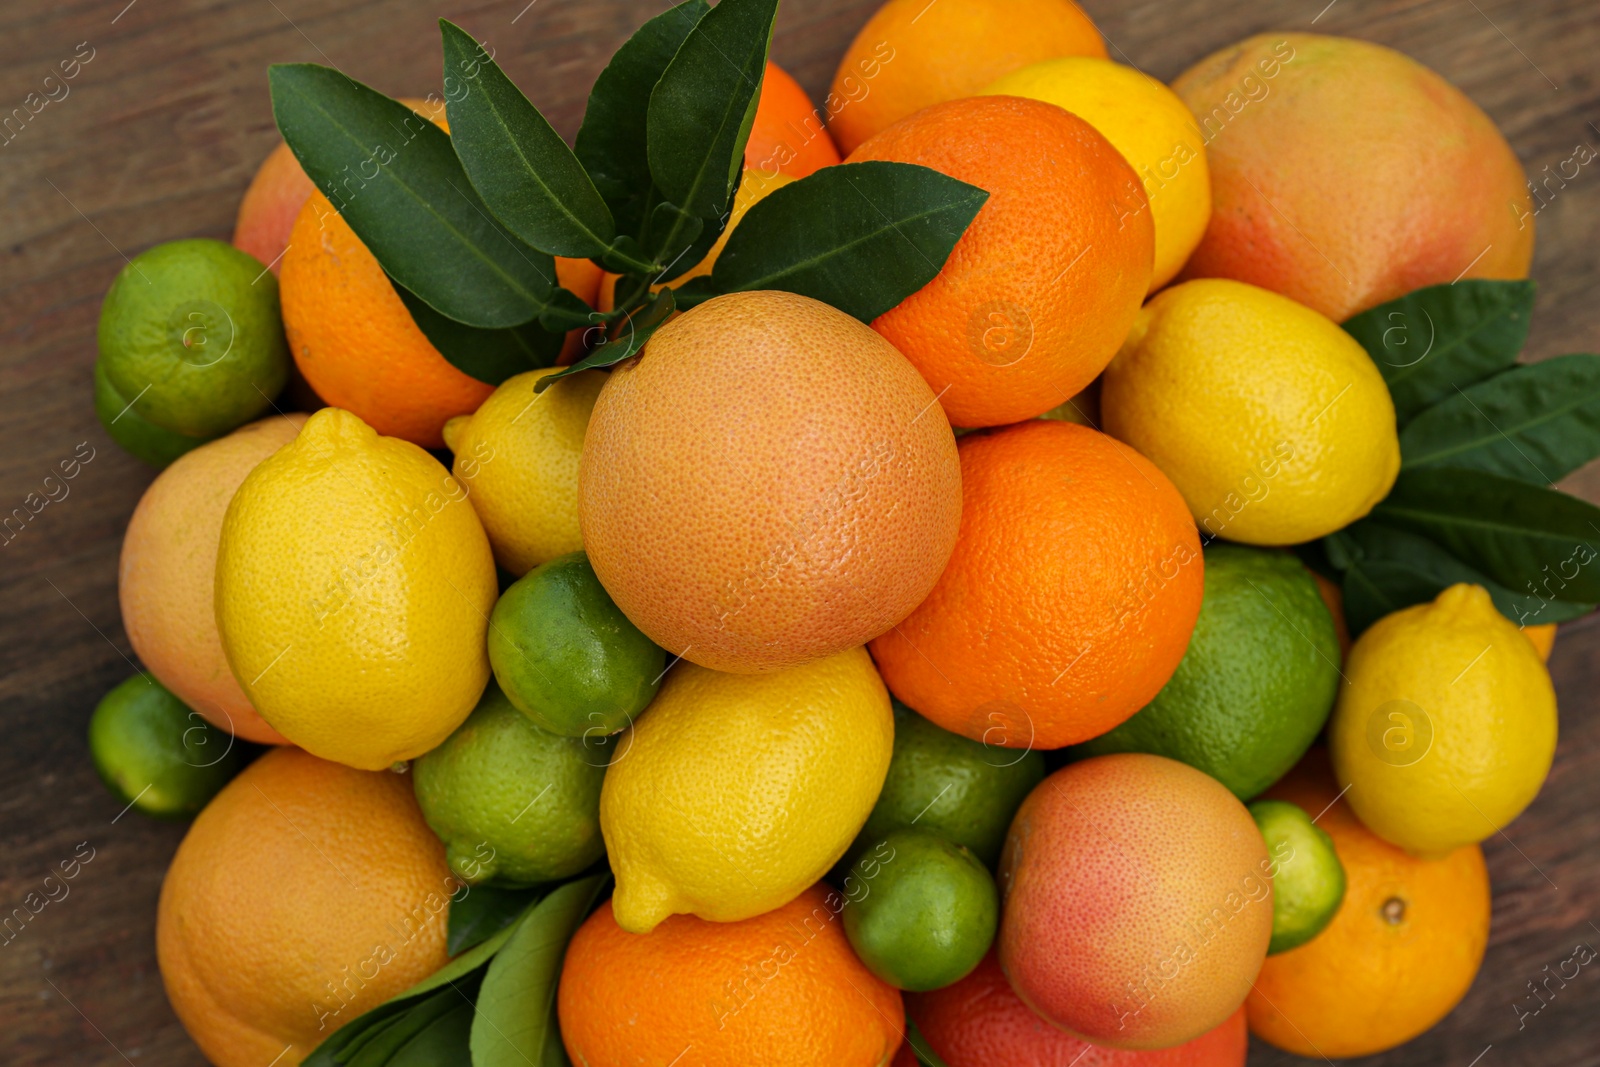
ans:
(156, 139)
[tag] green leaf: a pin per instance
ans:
(1533, 540)
(859, 236)
(678, 239)
(516, 1020)
(1536, 423)
(394, 178)
(490, 356)
(445, 1041)
(486, 910)
(1432, 341)
(920, 1047)
(1392, 569)
(516, 160)
(381, 1044)
(702, 108)
(611, 142)
(635, 331)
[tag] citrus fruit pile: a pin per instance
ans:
(1022, 565)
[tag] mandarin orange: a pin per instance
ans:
(788, 135)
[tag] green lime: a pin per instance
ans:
(513, 804)
(567, 656)
(155, 753)
(137, 435)
(191, 336)
(962, 790)
(1307, 877)
(920, 912)
(1257, 683)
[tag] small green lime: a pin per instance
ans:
(1257, 683)
(961, 790)
(137, 435)
(154, 753)
(191, 335)
(920, 912)
(567, 656)
(513, 804)
(1307, 877)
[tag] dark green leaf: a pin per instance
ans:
(444, 1042)
(678, 240)
(1533, 540)
(702, 108)
(567, 311)
(1536, 423)
(1392, 569)
(611, 142)
(696, 290)
(516, 1021)
(1432, 341)
(384, 1042)
(394, 178)
(920, 1047)
(516, 160)
(490, 356)
(485, 910)
(859, 236)
(631, 338)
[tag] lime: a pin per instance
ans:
(1257, 682)
(137, 435)
(513, 804)
(963, 791)
(920, 911)
(156, 754)
(566, 656)
(1307, 877)
(191, 336)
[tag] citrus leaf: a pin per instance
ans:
(445, 1041)
(394, 178)
(859, 236)
(920, 1047)
(516, 1023)
(702, 108)
(383, 1043)
(1433, 341)
(490, 356)
(636, 330)
(1533, 540)
(516, 160)
(1392, 569)
(1536, 423)
(486, 910)
(611, 141)
(679, 239)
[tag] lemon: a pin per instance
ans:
(734, 792)
(354, 584)
(1153, 129)
(1272, 422)
(1447, 726)
(517, 456)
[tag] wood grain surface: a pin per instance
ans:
(156, 140)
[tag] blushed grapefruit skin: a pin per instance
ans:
(1138, 901)
(770, 483)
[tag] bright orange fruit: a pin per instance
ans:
(788, 135)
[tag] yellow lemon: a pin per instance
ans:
(734, 792)
(517, 456)
(1447, 725)
(1153, 129)
(1273, 423)
(353, 590)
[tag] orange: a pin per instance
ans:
(1345, 174)
(305, 894)
(1543, 638)
(784, 987)
(913, 53)
(166, 577)
(1040, 291)
(980, 1022)
(1068, 601)
(1333, 596)
(1400, 953)
(769, 484)
(280, 189)
(788, 135)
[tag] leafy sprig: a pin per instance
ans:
(467, 225)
